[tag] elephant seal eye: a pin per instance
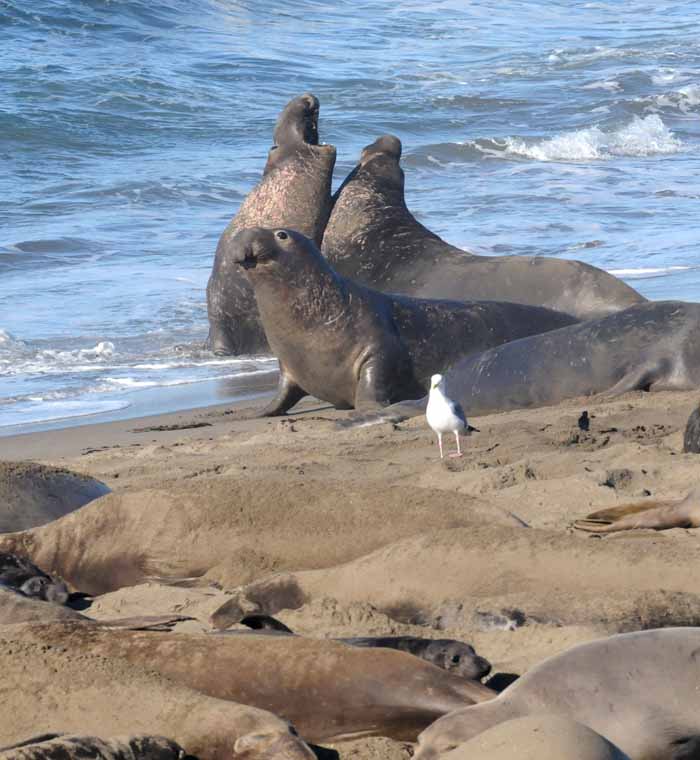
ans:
(282, 235)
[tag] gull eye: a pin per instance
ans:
(282, 235)
(455, 659)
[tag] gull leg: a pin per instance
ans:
(439, 435)
(459, 450)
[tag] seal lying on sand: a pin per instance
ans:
(639, 690)
(91, 694)
(328, 690)
(653, 346)
(537, 737)
(33, 494)
(652, 513)
(20, 574)
(295, 192)
(15, 608)
(127, 538)
(372, 237)
(447, 566)
(356, 347)
(57, 747)
(455, 656)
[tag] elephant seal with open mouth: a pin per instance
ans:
(295, 191)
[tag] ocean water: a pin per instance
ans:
(130, 131)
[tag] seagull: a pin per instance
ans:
(445, 415)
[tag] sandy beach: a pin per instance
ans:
(322, 504)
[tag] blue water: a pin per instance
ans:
(130, 132)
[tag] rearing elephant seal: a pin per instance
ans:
(295, 191)
(372, 237)
(638, 690)
(356, 347)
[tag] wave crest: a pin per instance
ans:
(641, 137)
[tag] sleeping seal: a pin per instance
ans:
(19, 574)
(356, 347)
(295, 191)
(55, 685)
(639, 690)
(58, 747)
(372, 237)
(329, 691)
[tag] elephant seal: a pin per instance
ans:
(20, 574)
(127, 538)
(295, 191)
(691, 436)
(372, 237)
(58, 747)
(33, 494)
(356, 347)
(536, 737)
(441, 570)
(329, 691)
(651, 514)
(649, 347)
(54, 684)
(454, 656)
(639, 690)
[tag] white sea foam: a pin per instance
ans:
(643, 272)
(42, 410)
(684, 99)
(641, 137)
(611, 85)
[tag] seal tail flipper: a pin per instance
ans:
(399, 412)
(642, 378)
(656, 515)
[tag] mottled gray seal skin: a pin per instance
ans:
(649, 347)
(19, 574)
(691, 436)
(58, 747)
(455, 656)
(356, 347)
(639, 690)
(295, 192)
(372, 237)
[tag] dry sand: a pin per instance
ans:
(384, 514)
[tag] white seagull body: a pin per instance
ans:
(445, 415)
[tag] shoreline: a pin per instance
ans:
(161, 400)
